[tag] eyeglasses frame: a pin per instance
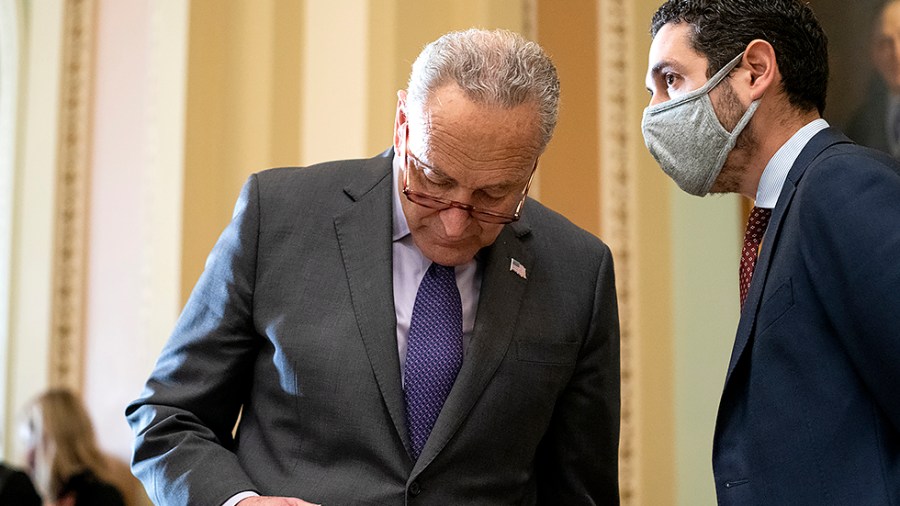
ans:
(442, 204)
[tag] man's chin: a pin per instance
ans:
(728, 180)
(449, 256)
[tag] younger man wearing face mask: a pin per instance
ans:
(809, 414)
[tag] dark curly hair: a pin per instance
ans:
(723, 28)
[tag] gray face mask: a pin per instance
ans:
(687, 139)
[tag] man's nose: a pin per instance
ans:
(455, 222)
(657, 98)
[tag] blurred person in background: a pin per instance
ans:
(876, 123)
(62, 454)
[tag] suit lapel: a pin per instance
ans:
(819, 143)
(498, 309)
(754, 295)
(364, 235)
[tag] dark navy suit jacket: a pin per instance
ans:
(810, 413)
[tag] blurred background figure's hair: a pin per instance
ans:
(61, 446)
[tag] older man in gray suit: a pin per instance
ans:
(408, 329)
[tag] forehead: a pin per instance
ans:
(890, 18)
(671, 48)
(452, 128)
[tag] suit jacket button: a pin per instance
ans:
(415, 489)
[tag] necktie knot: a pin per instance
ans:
(756, 228)
(434, 351)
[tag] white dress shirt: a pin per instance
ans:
(780, 164)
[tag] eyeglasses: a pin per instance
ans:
(440, 203)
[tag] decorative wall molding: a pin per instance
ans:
(617, 188)
(73, 178)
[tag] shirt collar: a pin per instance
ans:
(777, 169)
(400, 226)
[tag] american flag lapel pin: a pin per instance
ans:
(518, 268)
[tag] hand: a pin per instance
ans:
(274, 501)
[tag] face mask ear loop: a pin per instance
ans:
(732, 140)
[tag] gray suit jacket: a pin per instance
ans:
(292, 325)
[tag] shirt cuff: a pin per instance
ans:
(236, 498)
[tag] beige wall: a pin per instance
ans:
(135, 210)
(189, 98)
(29, 289)
(243, 110)
(570, 181)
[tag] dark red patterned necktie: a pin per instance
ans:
(756, 227)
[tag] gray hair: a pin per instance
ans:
(492, 67)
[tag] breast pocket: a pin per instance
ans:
(533, 376)
(774, 306)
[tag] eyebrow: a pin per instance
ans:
(502, 185)
(659, 67)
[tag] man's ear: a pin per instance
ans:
(400, 120)
(759, 61)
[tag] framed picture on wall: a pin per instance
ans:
(864, 56)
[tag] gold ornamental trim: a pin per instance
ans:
(72, 187)
(617, 213)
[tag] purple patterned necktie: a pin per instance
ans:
(434, 352)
